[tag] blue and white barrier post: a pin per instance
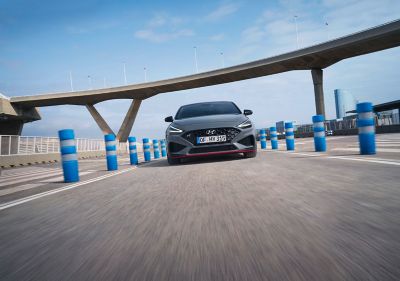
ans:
(319, 133)
(263, 139)
(163, 148)
(111, 152)
(156, 149)
(133, 151)
(273, 137)
(289, 135)
(69, 156)
(146, 149)
(366, 128)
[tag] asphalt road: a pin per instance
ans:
(280, 216)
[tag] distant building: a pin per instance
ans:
(344, 102)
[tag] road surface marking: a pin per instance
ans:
(356, 149)
(41, 176)
(26, 174)
(58, 179)
(370, 160)
(19, 188)
(51, 192)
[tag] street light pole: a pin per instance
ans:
(70, 80)
(195, 59)
(222, 59)
(297, 31)
(125, 73)
(145, 74)
(90, 82)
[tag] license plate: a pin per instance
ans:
(209, 139)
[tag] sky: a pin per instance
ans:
(43, 42)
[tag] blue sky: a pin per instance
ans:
(42, 41)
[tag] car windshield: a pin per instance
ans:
(207, 108)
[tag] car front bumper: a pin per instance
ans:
(179, 146)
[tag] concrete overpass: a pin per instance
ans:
(17, 110)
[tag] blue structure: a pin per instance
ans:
(111, 152)
(274, 137)
(289, 135)
(366, 128)
(319, 133)
(133, 151)
(156, 149)
(163, 148)
(146, 149)
(344, 102)
(69, 156)
(263, 139)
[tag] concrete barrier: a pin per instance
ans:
(69, 156)
(156, 149)
(263, 139)
(366, 128)
(319, 133)
(133, 156)
(289, 136)
(146, 150)
(273, 137)
(111, 152)
(163, 148)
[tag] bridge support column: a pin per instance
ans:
(127, 124)
(99, 120)
(317, 76)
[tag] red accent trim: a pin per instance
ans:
(214, 153)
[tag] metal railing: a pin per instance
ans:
(26, 145)
(351, 123)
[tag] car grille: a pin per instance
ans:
(207, 149)
(230, 133)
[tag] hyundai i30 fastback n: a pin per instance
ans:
(210, 128)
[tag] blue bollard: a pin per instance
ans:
(274, 137)
(69, 156)
(146, 149)
(111, 152)
(263, 139)
(289, 136)
(366, 128)
(156, 149)
(319, 133)
(163, 148)
(133, 151)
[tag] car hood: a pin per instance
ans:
(210, 121)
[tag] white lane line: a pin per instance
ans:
(19, 188)
(41, 176)
(47, 193)
(26, 174)
(322, 155)
(58, 179)
(356, 149)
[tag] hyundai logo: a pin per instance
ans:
(210, 132)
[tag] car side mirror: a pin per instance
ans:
(169, 119)
(247, 112)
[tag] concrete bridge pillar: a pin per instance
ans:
(317, 76)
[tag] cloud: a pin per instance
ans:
(162, 28)
(159, 37)
(217, 37)
(222, 11)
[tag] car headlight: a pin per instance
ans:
(174, 130)
(245, 124)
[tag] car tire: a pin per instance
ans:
(173, 161)
(250, 154)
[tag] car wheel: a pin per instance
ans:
(250, 154)
(173, 161)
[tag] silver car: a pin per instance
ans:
(210, 128)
